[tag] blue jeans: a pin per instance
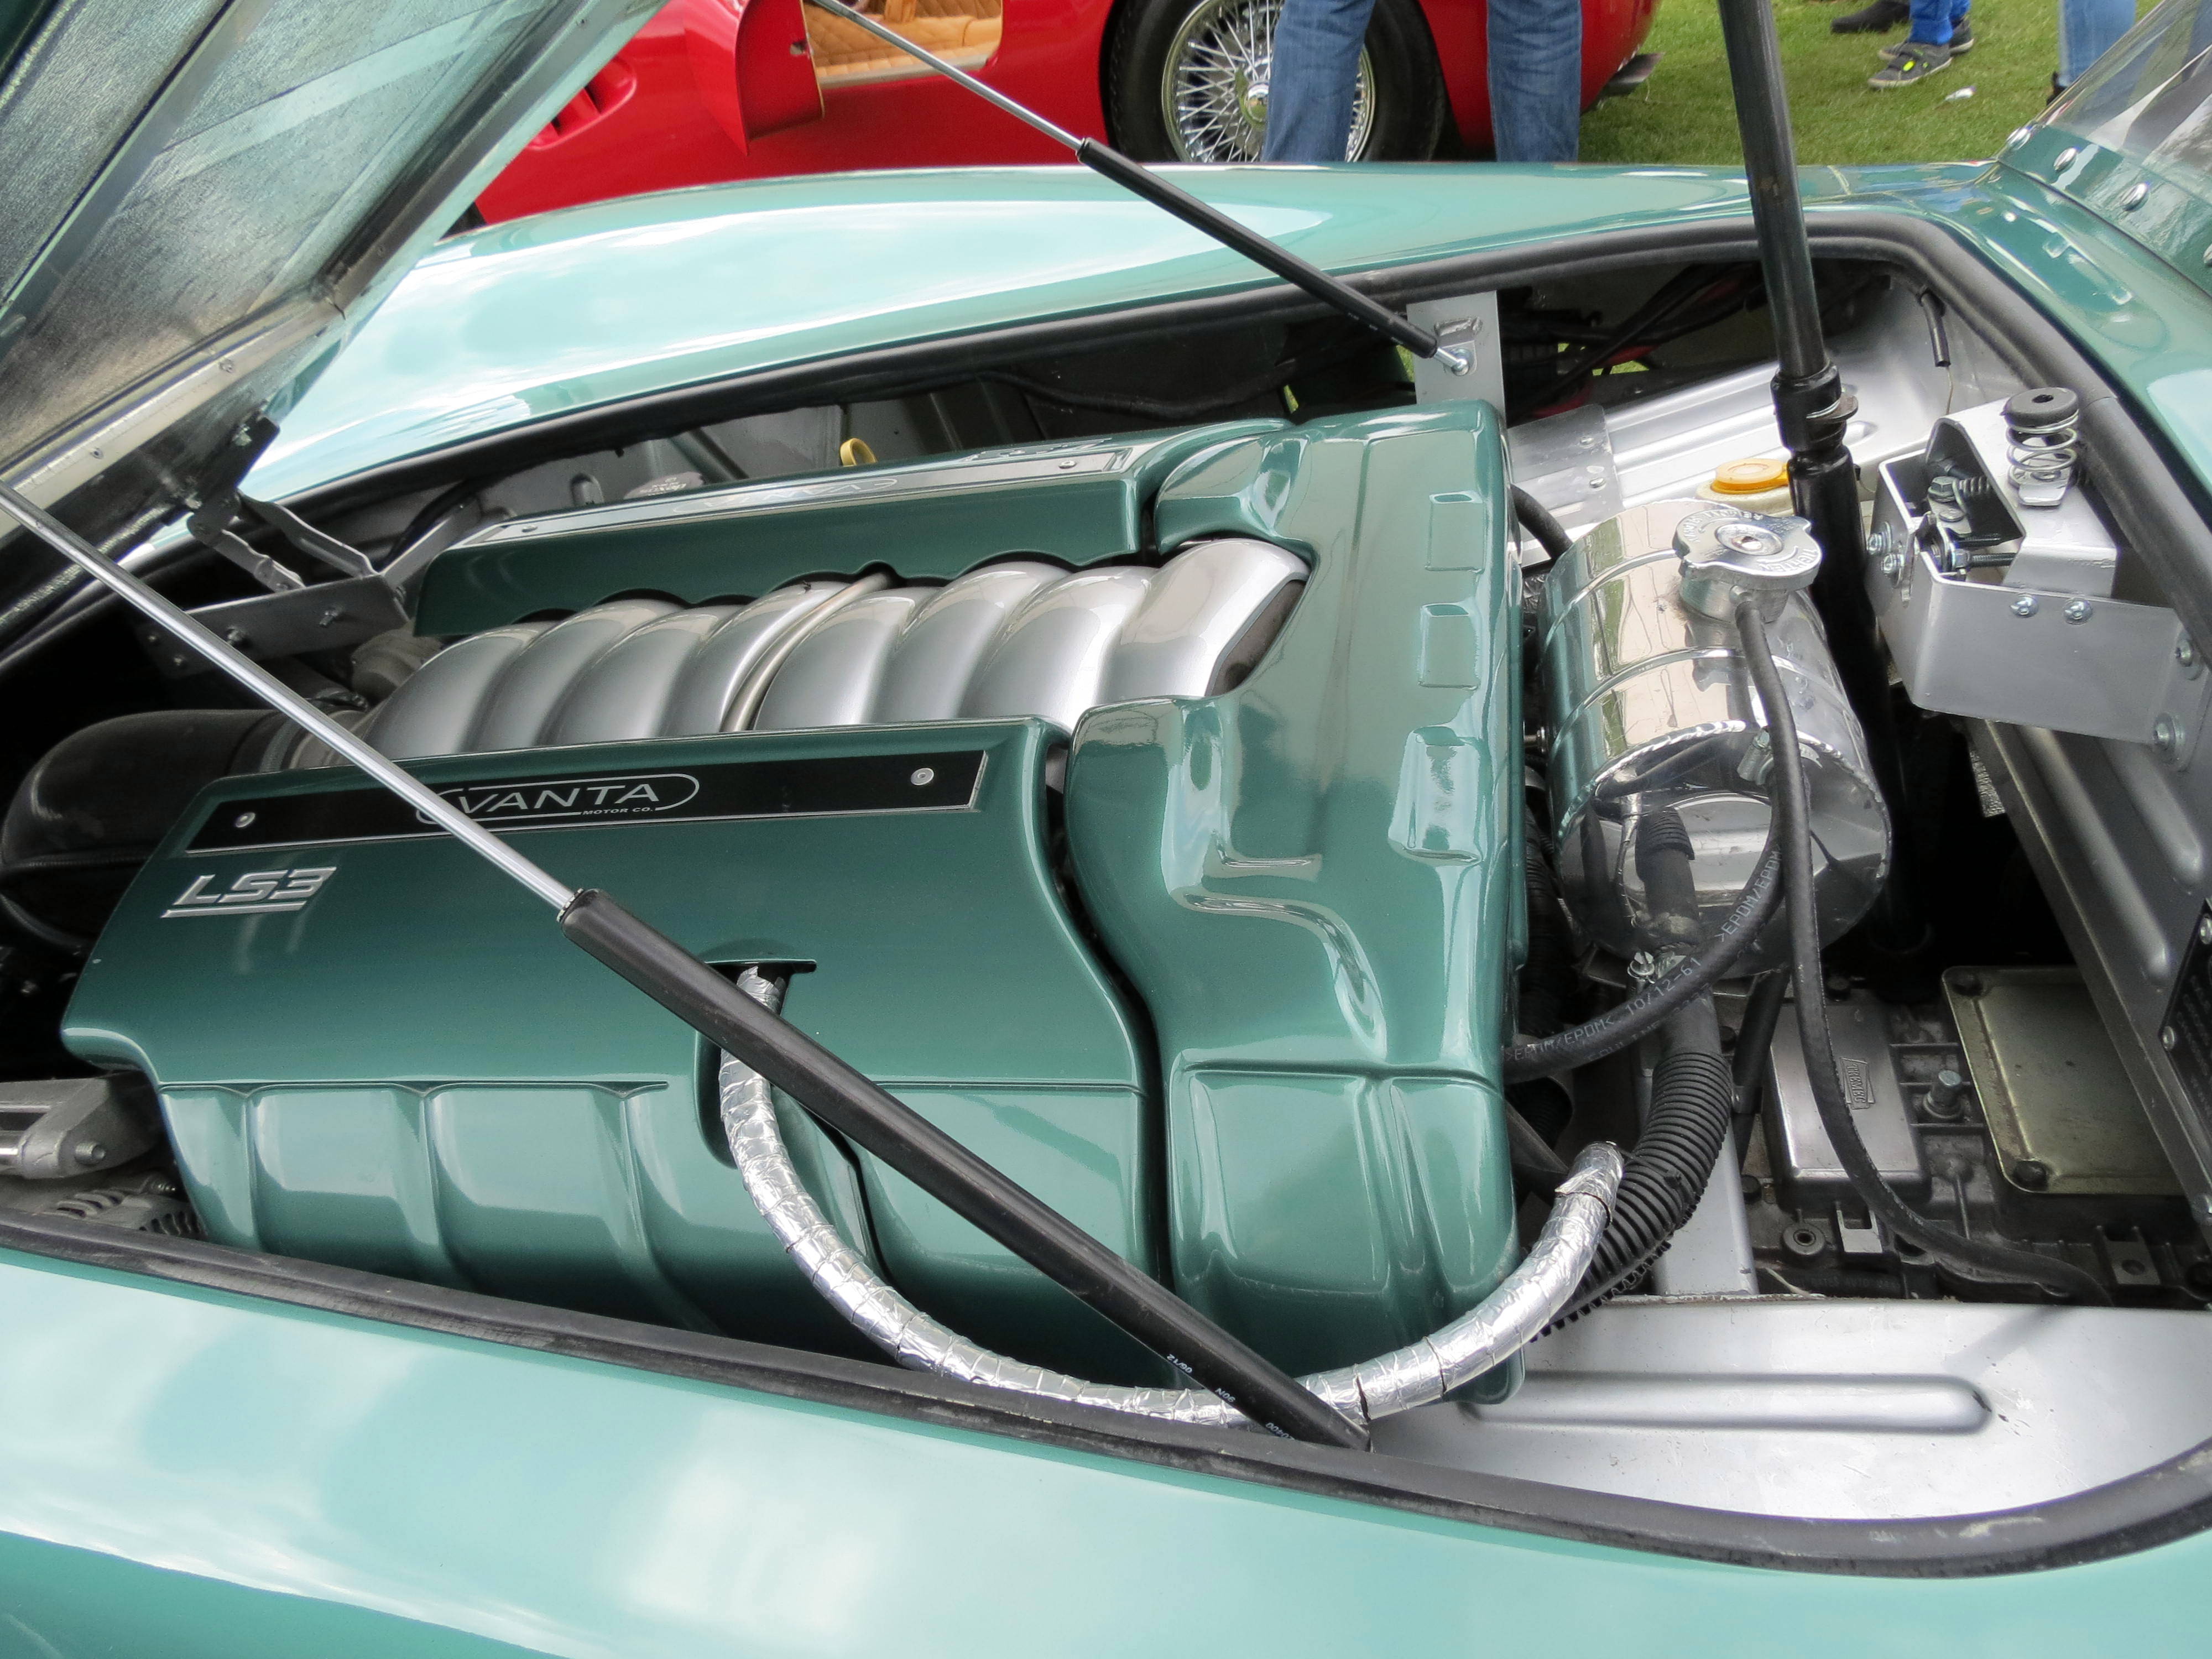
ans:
(1933, 20)
(1535, 79)
(2087, 30)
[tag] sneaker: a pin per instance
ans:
(1917, 61)
(1879, 18)
(1962, 39)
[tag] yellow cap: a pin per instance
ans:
(1753, 477)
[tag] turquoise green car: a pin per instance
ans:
(1539, 983)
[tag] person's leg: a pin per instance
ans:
(2087, 30)
(1536, 79)
(1312, 78)
(1931, 22)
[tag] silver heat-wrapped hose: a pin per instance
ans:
(1416, 1374)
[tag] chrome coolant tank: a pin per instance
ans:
(1650, 708)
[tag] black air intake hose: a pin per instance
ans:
(1691, 1097)
(89, 813)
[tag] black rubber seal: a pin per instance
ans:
(2168, 1501)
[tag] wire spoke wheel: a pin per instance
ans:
(1213, 85)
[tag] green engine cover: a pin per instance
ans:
(373, 1050)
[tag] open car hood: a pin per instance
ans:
(203, 196)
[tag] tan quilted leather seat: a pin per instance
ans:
(962, 32)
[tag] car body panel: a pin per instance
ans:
(681, 124)
(2130, 140)
(623, 300)
(194, 1472)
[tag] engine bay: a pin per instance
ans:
(1189, 778)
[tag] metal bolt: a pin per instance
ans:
(2167, 1038)
(2025, 606)
(1943, 1093)
(241, 820)
(922, 776)
(2204, 930)
(2080, 610)
(90, 1153)
(1892, 567)
(2018, 137)
(2064, 159)
(2185, 653)
(2030, 1173)
(2137, 193)
(233, 636)
(330, 615)
(2165, 736)
(1597, 484)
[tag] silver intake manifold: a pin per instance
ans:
(1007, 640)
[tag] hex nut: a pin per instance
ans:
(1804, 1240)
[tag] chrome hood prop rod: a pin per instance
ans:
(1141, 180)
(832, 1091)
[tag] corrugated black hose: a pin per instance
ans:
(1692, 1089)
(1691, 1097)
(1963, 1258)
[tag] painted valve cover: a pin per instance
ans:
(372, 1050)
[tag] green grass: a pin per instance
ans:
(1683, 114)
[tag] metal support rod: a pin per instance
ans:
(1815, 412)
(228, 659)
(1141, 180)
(832, 1091)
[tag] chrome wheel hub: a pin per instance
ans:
(1214, 89)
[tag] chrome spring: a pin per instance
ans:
(2042, 443)
(2044, 457)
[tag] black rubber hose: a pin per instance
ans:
(1538, 521)
(1622, 1024)
(1754, 1041)
(1684, 1127)
(1965, 1258)
(1664, 853)
(1548, 982)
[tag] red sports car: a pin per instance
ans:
(716, 90)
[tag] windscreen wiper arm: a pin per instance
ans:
(1141, 180)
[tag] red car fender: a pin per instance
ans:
(711, 90)
(750, 63)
